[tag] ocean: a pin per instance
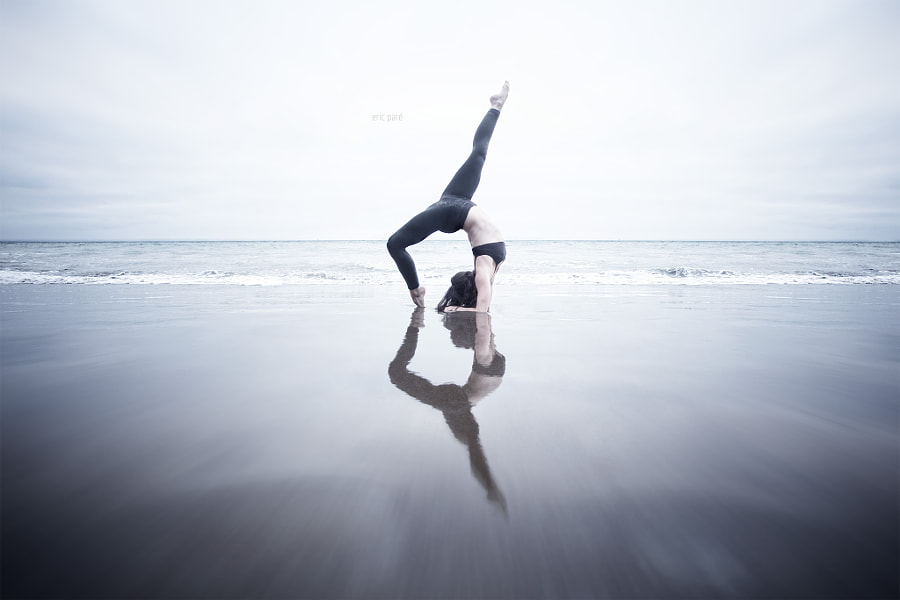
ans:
(276, 420)
(529, 262)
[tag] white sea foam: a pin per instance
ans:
(367, 263)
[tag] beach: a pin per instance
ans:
(223, 441)
(680, 225)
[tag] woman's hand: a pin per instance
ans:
(461, 309)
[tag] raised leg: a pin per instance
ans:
(465, 182)
(467, 177)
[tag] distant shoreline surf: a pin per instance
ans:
(530, 262)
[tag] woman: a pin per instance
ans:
(470, 290)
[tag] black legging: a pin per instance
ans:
(449, 213)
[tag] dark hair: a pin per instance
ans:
(462, 292)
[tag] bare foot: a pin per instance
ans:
(498, 100)
(418, 296)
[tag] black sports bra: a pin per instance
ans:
(496, 250)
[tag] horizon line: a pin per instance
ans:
(444, 240)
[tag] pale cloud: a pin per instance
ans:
(631, 120)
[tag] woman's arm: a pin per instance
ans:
(485, 288)
(484, 275)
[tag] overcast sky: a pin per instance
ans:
(714, 120)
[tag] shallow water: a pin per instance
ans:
(640, 441)
(528, 263)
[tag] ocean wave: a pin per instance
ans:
(692, 272)
(367, 263)
(512, 276)
(680, 276)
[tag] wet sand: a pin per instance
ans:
(322, 442)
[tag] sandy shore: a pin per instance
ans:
(224, 442)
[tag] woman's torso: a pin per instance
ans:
(480, 228)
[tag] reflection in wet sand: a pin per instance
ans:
(467, 330)
(237, 442)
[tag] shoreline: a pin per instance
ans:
(663, 441)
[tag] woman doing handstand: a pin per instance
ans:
(470, 290)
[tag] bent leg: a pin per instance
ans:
(467, 177)
(416, 229)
